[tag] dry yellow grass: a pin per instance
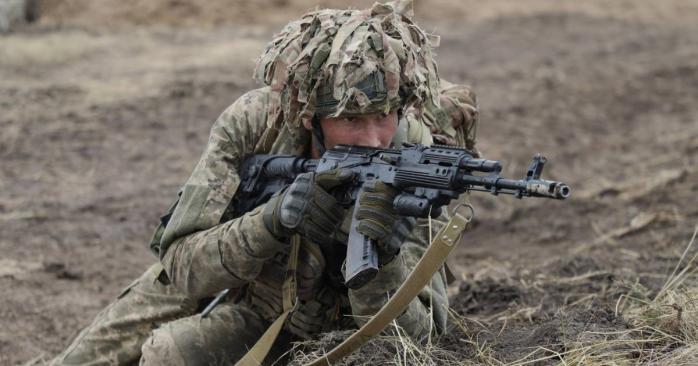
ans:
(661, 329)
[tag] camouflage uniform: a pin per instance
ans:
(203, 250)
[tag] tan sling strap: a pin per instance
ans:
(259, 351)
(434, 257)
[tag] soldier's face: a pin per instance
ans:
(374, 130)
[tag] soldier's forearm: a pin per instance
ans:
(226, 256)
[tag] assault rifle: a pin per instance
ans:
(428, 177)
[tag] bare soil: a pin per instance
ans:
(105, 107)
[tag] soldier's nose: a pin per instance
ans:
(371, 139)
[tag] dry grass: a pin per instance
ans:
(659, 328)
(662, 329)
(395, 349)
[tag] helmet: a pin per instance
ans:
(340, 62)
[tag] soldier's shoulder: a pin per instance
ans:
(259, 96)
(255, 98)
(250, 107)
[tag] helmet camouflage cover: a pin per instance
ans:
(340, 62)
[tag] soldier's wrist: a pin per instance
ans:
(263, 242)
(270, 219)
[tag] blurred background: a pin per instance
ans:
(105, 106)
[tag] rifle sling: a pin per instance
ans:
(435, 255)
(259, 351)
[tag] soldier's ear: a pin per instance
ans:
(308, 124)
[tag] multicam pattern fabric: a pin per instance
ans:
(241, 253)
(117, 333)
(202, 253)
(343, 48)
(454, 121)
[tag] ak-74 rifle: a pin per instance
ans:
(427, 177)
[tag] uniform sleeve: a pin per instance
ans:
(429, 311)
(200, 254)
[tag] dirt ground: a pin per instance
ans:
(105, 107)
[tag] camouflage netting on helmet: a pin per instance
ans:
(374, 60)
(455, 120)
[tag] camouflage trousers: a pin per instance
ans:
(154, 324)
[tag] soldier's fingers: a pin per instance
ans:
(372, 230)
(324, 218)
(316, 234)
(377, 199)
(333, 178)
(379, 186)
(329, 207)
(376, 214)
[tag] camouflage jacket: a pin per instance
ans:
(202, 253)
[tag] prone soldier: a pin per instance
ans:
(332, 77)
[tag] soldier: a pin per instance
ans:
(334, 76)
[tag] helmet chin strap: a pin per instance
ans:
(319, 138)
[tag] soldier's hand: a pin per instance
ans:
(379, 221)
(314, 316)
(307, 208)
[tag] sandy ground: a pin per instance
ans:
(105, 108)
